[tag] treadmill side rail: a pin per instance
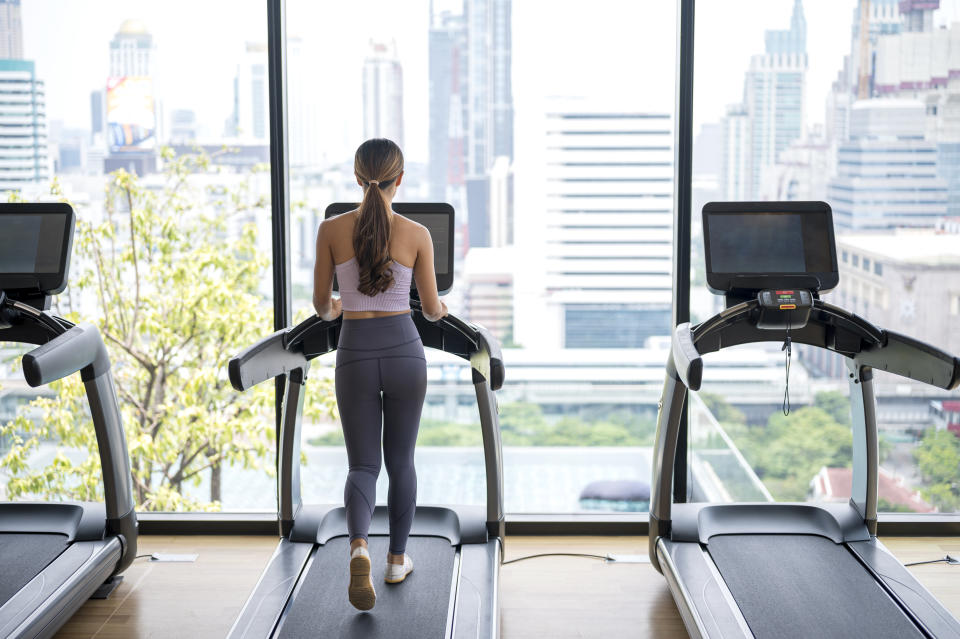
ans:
(705, 604)
(51, 598)
(904, 587)
(266, 603)
(476, 608)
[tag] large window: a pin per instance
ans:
(802, 105)
(152, 122)
(558, 159)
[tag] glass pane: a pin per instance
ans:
(156, 131)
(803, 106)
(564, 223)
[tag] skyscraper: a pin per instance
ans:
(24, 155)
(734, 165)
(251, 105)
(887, 172)
(489, 92)
(131, 50)
(383, 93)
(608, 226)
(918, 14)
(131, 104)
(448, 68)
(489, 109)
(773, 101)
(11, 30)
(308, 152)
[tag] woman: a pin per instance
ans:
(381, 374)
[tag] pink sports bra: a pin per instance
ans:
(395, 298)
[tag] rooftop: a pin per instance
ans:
(834, 484)
(911, 247)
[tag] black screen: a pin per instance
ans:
(758, 243)
(31, 244)
(755, 245)
(439, 226)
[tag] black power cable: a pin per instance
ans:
(947, 559)
(559, 554)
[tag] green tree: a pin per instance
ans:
(175, 273)
(790, 451)
(574, 432)
(836, 404)
(938, 459)
(722, 410)
(521, 423)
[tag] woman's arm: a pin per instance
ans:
(327, 307)
(423, 270)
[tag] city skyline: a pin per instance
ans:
(550, 69)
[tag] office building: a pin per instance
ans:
(772, 114)
(383, 93)
(448, 69)
(609, 178)
(887, 172)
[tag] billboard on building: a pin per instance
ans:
(131, 115)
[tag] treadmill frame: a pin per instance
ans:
(476, 533)
(102, 537)
(680, 532)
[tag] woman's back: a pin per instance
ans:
(410, 250)
(404, 238)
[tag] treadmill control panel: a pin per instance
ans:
(784, 309)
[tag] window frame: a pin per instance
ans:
(630, 524)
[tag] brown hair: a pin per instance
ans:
(377, 163)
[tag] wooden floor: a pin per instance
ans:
(557, 597)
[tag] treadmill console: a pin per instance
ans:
(438, 218)
(35, 248)
(755, 246)
(784, 309)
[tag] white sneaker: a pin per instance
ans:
(395, 573)
(361, 592)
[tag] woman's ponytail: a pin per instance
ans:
(377, 163)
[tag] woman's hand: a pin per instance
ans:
(333, 310)
(437, 318)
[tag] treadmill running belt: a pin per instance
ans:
(416, 608)
(23, 556)
(805, 586)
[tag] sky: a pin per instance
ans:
(618, 53)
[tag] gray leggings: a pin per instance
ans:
(381, 380)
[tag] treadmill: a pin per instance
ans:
(54, 556)
(454, 590)
(781, 569)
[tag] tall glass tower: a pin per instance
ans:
(23, 118)
(773, 103)
(383, 93)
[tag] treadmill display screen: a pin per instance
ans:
(762, 243)
(31, 244)
(751, 241)
(439, 226)
(35, 245)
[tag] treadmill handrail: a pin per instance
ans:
(831, 328)
(266, 359)
(65, 349)
(291, 348)
(289, 351)
(78, 349)
(685, 357)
